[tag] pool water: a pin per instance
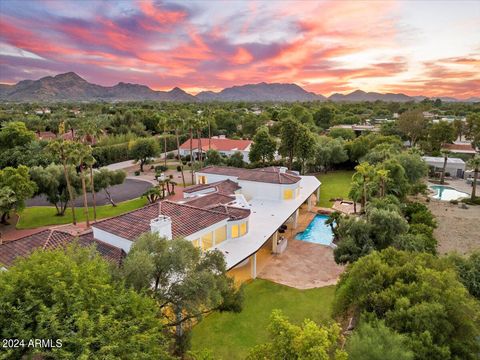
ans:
(317, 231)
(447, 193)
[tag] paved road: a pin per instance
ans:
(130, 189)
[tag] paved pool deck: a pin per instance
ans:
(303, 265)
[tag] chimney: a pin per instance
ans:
(162, 225)
(222, 137)
(282, 169)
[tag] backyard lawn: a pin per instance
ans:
(231, 335)
(36, 216)
(335, 184)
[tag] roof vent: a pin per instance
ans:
(162, 225)
(282, 169)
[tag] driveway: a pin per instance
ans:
(130, 189)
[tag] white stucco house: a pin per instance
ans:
(455, 166)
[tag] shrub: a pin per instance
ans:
(179, 168)
(137, 172)
(161, 168)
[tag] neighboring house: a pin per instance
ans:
(240, 212)
(223, 145)
(45, 135)
(460, 148)
(455, 166)
(358, 129)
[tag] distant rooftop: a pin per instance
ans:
(441, 159)
(220, 144)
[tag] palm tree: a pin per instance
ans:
(363, 176)
(199, 125)
(382, 176)
(445, 154)
(177, 123)
(356, 192)
(190, 123)
(62, 150)
(78, 155)
(474, 163)
(163, 125)
(89, 131)
(153, 194)
(333, 220)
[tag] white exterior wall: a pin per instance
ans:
(213, 177)
(112, 239)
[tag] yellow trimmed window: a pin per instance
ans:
(196, 242)
(243, 228)
(220, 234)
(202, 179)
(207, 241)
(287, 194)
(235, 231)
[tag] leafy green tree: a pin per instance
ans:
(21, 187)
(329, 152)
(398, 183)
(441, 133)
(185, 283)
(104, 178)
(31, 154)
(345, 134)
(69, 295)
(413, 164)
(263, 147)
(381, 152)
(289, 136)
(15, 133)
(142, 150)
(213, 157)
(236, 160)
(51, 182)
(324, 116)
(309, 341)
(473, 129)
(417, 295)
(305, 148)
(375, 341)
(413, 125)
(468, 269)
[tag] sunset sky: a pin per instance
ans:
(415, 47)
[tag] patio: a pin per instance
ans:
(303, 265)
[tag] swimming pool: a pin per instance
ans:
(447, 193)
(317, 231)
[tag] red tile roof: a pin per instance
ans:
(460, 148)
(224, 186)
(186, 220)
(52, 239)
(269, 175)
(218, 144)
(206, 201)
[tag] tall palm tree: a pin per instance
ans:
(63, 149)
(363, 176)
(78, 155)
(177, 123)
(199, 126)
(89, 131)
(190, 123)
(474, 163)
(382, 176)
(445, 154)
(163, 124)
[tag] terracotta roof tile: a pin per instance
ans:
(52, 239)
(268, 175)
(224, 186)
(206, 201)
(218, 144)
(186, 220)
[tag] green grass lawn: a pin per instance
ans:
(36, 216)
(335, 184)
(231, 335)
